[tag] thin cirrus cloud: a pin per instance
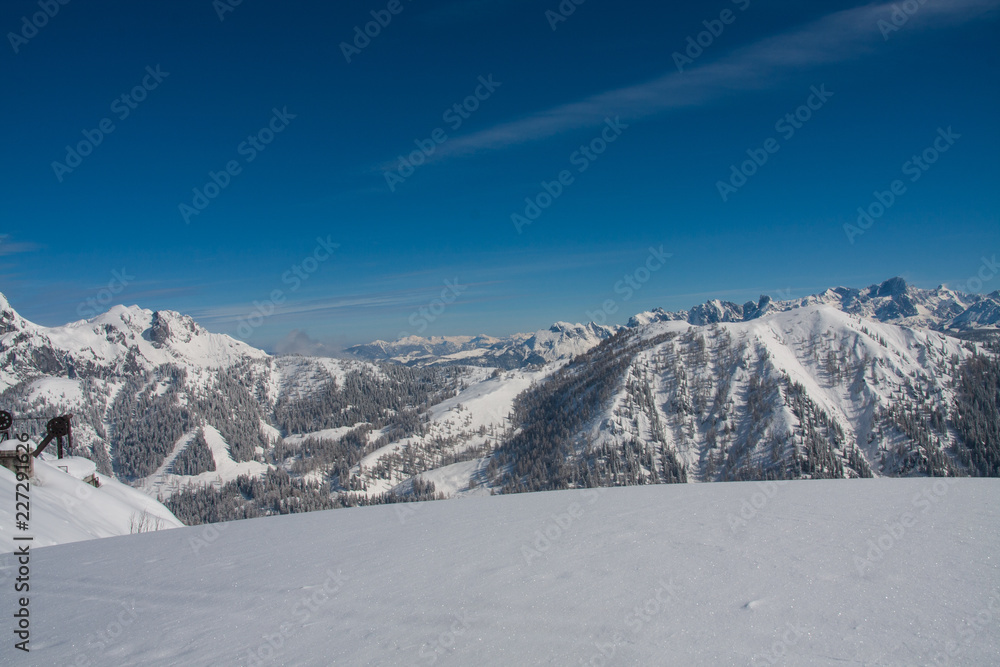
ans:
(484, 270)
(836, 37)
(399, 299)
(8, 247)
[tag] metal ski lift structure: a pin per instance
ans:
(57, 428)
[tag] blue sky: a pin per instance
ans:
(267, 92)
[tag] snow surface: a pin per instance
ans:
(55, 390)
(719, 574)
(453, 480)
(64, 509)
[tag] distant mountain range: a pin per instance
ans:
(560, 341)
(892, 302)
(881, 381)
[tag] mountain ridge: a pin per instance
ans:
(845, 383)
(182, 339)
(892, 301)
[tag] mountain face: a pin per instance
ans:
(122, 340)
(846, 383)
(811, 392)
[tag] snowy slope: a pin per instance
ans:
(700, 382)
(721, 574)
(473, 421)
(162, 482)
(65, 509)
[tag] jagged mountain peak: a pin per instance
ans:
(892, 301)
(120, 340)
(9, 318)
(579, 330)
(169, 325)
(892, 287)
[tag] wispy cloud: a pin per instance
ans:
(8, 247)
(326, 305)
(836, 37)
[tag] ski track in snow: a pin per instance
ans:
(164, 483)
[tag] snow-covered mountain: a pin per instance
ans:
(122, 340)
(560, 341)
(845, 383)
(806, 392)
(892, 301)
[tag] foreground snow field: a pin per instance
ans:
(873, 572)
